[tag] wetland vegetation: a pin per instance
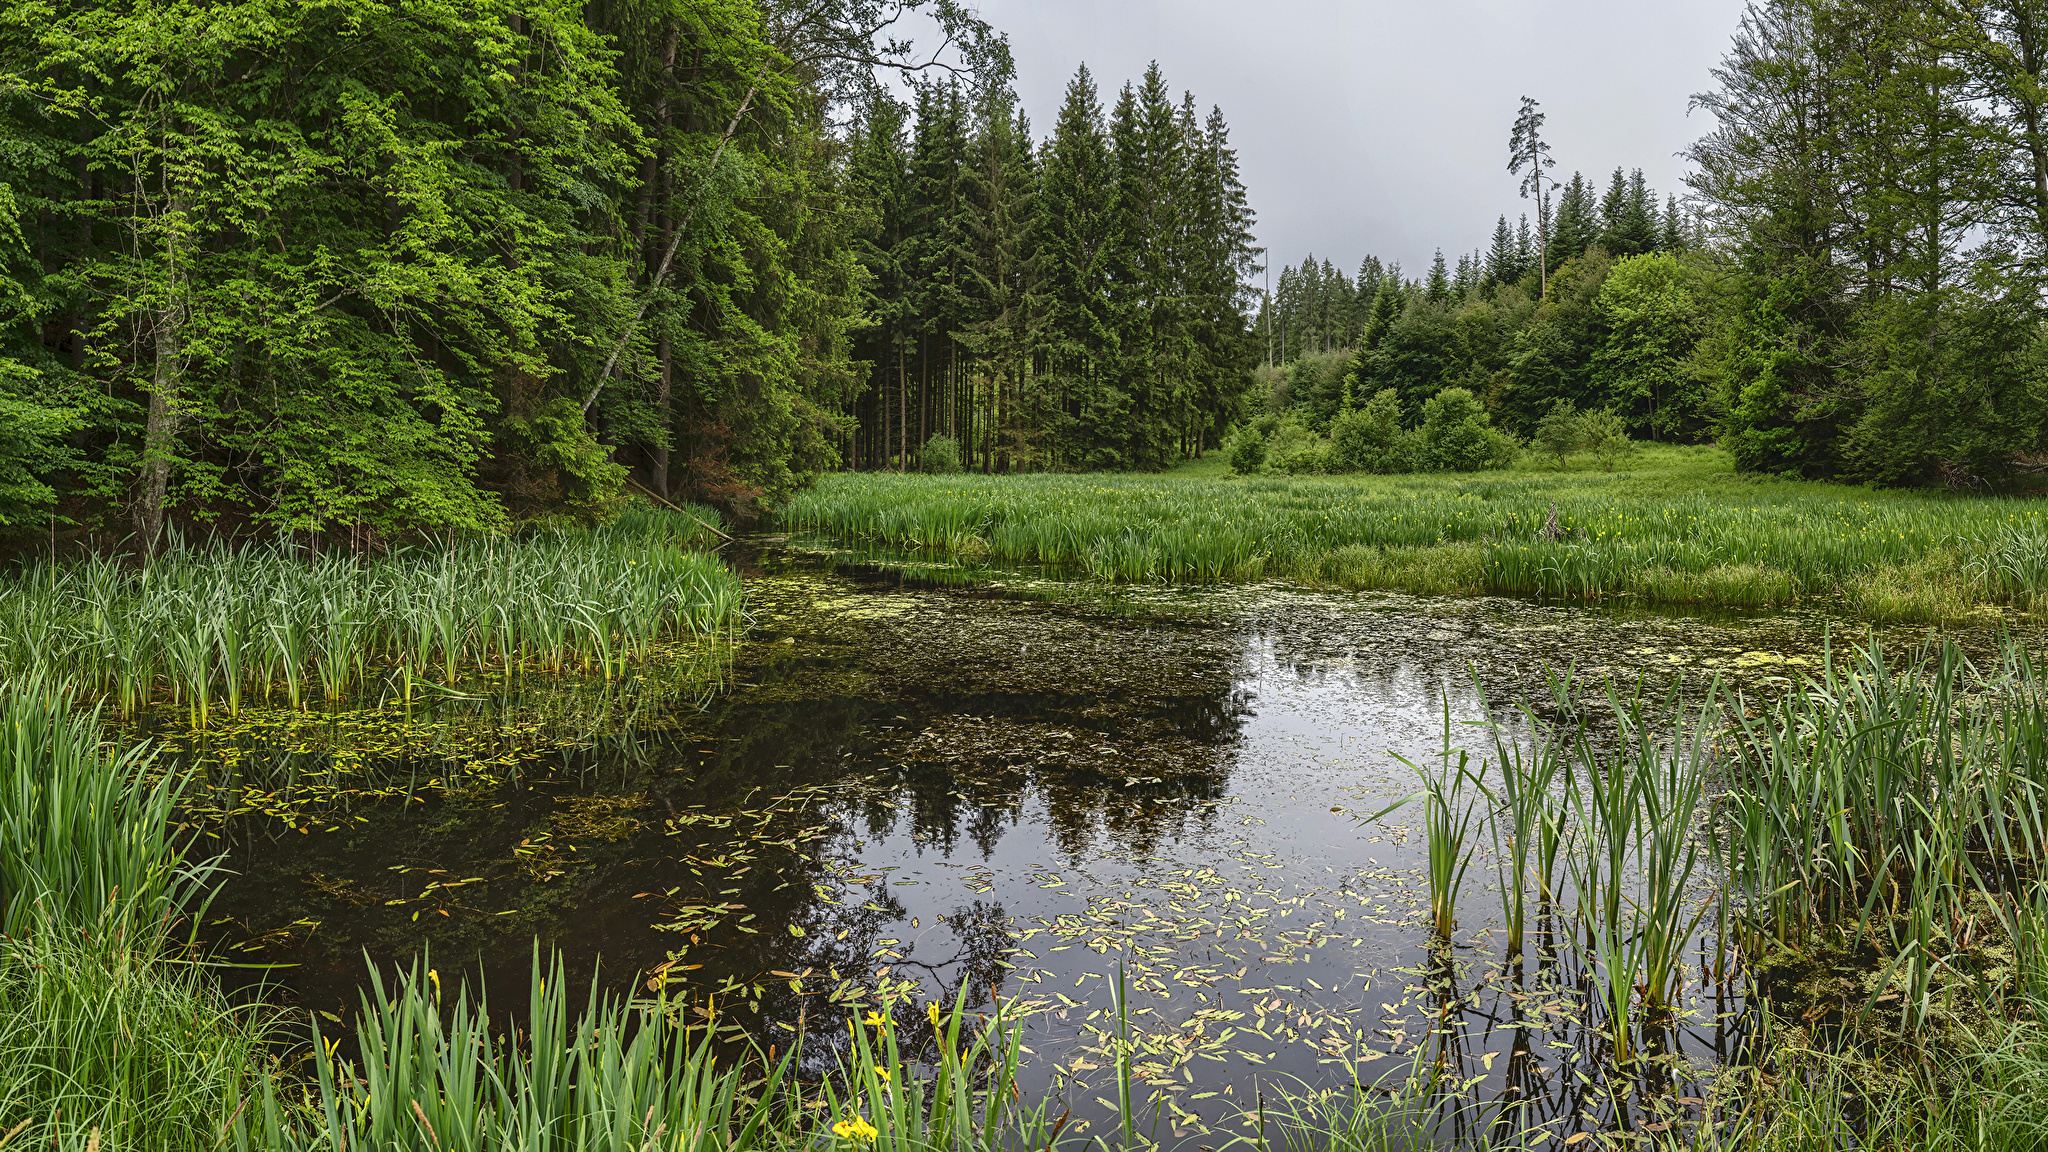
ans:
(1678, 527)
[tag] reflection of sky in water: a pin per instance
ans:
(1179, 788)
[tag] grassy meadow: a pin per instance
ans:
(1677, 526)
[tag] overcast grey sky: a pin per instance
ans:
(1374, 126)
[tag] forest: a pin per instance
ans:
(363, 271)
(372, 269)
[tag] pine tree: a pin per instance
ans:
(1527, 149)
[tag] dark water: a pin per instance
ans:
(907, 792)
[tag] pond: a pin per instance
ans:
(898, 789)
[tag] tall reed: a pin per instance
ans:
(209, 626)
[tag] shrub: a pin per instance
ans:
(940, 454)
(1308, 456)
(1370, 439)
(1456, 434)
(1606, 436)
(1248, 451)
(1560, 432)
(1293, 448)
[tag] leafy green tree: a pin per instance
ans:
(939, 456)
(1655, 312)
(32, 447)
(1370, 438)
(1560, 433)
(1456, 435)
(1605, 435)
(1248, 451)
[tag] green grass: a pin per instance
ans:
(1678, 527)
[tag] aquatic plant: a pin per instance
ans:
(209, 626)
(86, 839)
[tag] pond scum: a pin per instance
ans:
(1849, 877)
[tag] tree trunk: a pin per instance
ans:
(159, 435)
(662, 394)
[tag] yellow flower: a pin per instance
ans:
(882, 1072)
(855, 1129)
(931, 1012)
(874, 1020)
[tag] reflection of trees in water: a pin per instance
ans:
(1132, 778)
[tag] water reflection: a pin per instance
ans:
(937, 792)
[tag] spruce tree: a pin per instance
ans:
(1576, 227)
(1671, 237)
(1075, 236)
(1439, 290)
(1503, 264)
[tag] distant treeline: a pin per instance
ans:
(1855, 288)
(1075, 304)
(1616, 331)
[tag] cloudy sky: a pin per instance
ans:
(1377, 126)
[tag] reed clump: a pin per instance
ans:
(205, 628)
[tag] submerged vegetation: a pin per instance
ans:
(1680, 528)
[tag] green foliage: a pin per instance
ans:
(1248, 451)
(1605, 435)
(1370, 439)
(564, 461)
(939, 456)
(1656, 313)
(1457, 436)
(1560, 433)
(32, 448)
(1296, 449)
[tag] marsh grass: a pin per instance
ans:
(1681, 528)
(207, 628)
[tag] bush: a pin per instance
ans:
(940, 454)
(1503, 448)
(1456, 434)
(1248, 452)
(1370, 439)
(1560, 432)
(1293, 448)
(1606, 436)
(1308, 456)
